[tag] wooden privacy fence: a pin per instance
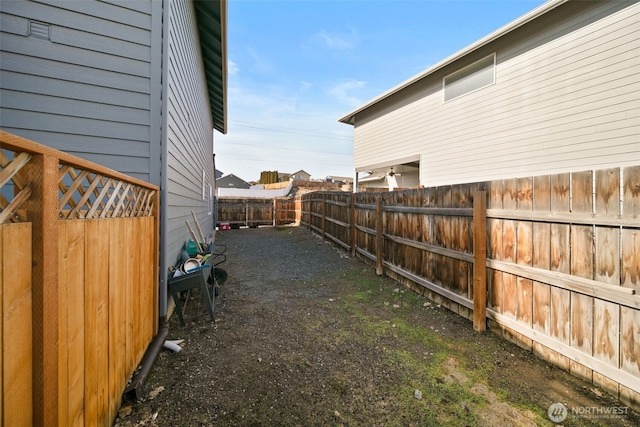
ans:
(79, 294)
(550, 262)
(253, 212)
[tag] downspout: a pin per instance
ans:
(164, 180)
(132, 392)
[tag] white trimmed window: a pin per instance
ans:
(473, 77)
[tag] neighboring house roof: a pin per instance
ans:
(524, 19)
(212, 28)
(232, 181)
(300, 172)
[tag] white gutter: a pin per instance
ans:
(524, 19)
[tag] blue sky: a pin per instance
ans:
(297, 66)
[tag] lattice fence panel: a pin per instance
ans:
(83, 194)
(86, 194)
(15, 190)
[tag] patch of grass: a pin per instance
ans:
(416, 334)
(419, 353)
(455, 402)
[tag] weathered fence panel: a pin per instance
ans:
(253, 212)
(286, 211)
(562, 260)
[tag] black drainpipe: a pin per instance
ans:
(132, 392)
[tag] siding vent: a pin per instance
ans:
(470, 78)
(39, 30)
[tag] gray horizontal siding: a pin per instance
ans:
(189, 130)
(92, 17)
(65, 89)
(88, 89)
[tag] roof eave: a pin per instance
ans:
(211, 17)
(513, 25)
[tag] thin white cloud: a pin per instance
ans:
(344, 92)
(259, 65)
(267, 101)
(339, 41)
(232, 67)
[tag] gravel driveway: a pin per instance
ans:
(307, 336)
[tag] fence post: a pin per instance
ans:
(42, 209)
(353, 225)
(275, 214)
(324, 216)
(479, 261)
(379, 241)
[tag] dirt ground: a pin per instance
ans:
(307, 336)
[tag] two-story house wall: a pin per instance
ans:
(557, 90)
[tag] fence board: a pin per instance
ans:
(607, 239)
(582, 251)
(509, 237)
(132, 265)
(606, 336)
(495, 248)
(117, 315)
(631, 237)
(631, 191)
(541, 258)
(444, 238)
(560, 261)
(428, 234)
(65, 284)
(414, 232)
(582, 192)
(581, 330)
(148, 303)
(630, 336)
(630, 352)
(524, 256)
(607, 255)
(582, 255)
(631, 259)
(607, 191)
(72, 270)
(524, 286)
(16, 326)
(97, 314)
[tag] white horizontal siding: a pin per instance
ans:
(88, 89)
(570, 103)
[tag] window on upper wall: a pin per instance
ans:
(476, 76)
